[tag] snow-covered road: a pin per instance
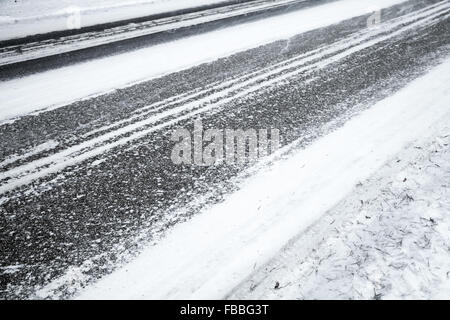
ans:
(32, 50)
(62, 86)
(27, 17)
(88, 188)
(213, 253)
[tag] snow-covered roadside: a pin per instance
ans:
(59, 87)
(389, 239)
(215, 251)
(28, 17)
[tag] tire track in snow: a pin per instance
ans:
(80, 224)
(210, 100)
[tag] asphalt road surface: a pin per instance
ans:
(99, 184)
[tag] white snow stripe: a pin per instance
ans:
(49, 145)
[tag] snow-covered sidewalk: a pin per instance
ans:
(390, 239)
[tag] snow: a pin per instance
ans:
(201, 101)
(71, 43)
(52, 144)
(215, 251)
(62, 86)
(387, 240)
(29, 17)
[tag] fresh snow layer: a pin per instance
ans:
(387, 240)
(210, 255)
(28, 17)
(58, 87)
